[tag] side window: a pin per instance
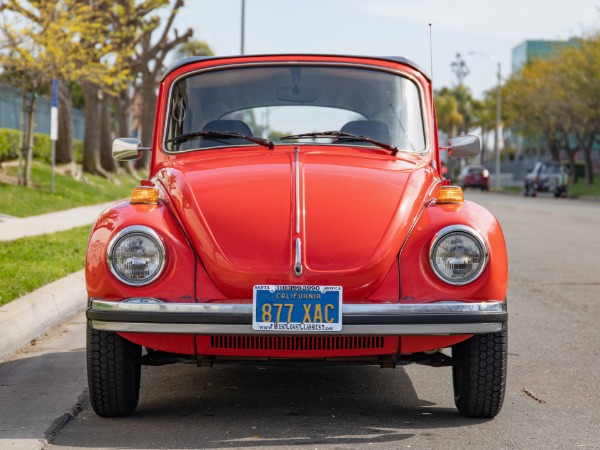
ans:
(178, 111)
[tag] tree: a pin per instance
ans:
(485, 118)
(129, 21)
(63, 39)
(64, 143)
(534, 101)
(581, 65)
(558, 100)
(192, 47)
(147, 62)
(450, 120)
(465, 104)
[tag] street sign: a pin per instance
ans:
(54, 112)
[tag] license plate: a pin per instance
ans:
(297, 308)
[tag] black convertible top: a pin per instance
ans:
(194, 59)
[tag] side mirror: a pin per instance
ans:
(464, 146)
(127, 149)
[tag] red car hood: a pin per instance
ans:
(241, 213)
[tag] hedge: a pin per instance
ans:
(42, 146)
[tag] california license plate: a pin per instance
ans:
(297, 308)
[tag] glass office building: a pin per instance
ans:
(527, 51)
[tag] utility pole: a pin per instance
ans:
(243, 26)
(498, 124)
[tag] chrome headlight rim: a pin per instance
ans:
(147, 232)
(459, 229)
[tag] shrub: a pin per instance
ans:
(9, 145)
(42, 147)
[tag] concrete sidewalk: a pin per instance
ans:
(15, 228)
(26, 318)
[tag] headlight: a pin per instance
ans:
(136, 255)
(458, 255)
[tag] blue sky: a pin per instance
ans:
(393, 27)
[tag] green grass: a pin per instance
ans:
(581, 188)
(32, 262)
(514, 189)
(68, 193)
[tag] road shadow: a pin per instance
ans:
(279, 407)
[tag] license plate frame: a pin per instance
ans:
(297, 308)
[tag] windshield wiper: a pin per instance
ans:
(226, 134)
(343, 135)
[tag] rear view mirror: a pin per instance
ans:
(296, 94)
(127, 149)
(464, 146)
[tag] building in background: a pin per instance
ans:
(529, 50)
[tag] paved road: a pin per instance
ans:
(553, 393)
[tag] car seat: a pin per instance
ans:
(375, 129)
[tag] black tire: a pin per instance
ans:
(113, 374)
(560, 192)
(479, 376)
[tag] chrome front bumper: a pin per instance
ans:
(140, 315)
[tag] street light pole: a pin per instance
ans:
(460, 69)
(243, 26)
(498, 124)
(498, 115)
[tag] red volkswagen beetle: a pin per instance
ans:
(296, 212)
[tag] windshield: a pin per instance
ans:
(273, 102)
(552, 168)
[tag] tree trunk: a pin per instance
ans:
(586, 143)
(571, 155)
(91, 140)
(27, 142)
(123, 106)
(554, 146)
(589, 165)
(106, 159)
(22, 146)
(64, 143)
(573, 165)
(148, 96)
(30, 139)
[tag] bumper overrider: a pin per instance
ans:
(148, 315)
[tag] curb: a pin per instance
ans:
(26, 318)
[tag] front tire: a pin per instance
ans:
(113, 374)
(479, 376)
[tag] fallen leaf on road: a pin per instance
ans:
(533, 396)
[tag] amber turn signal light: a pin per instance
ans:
(451, 194)
(144, 194)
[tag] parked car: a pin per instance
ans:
(295, 213)
(546, 176)
(474, 177)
